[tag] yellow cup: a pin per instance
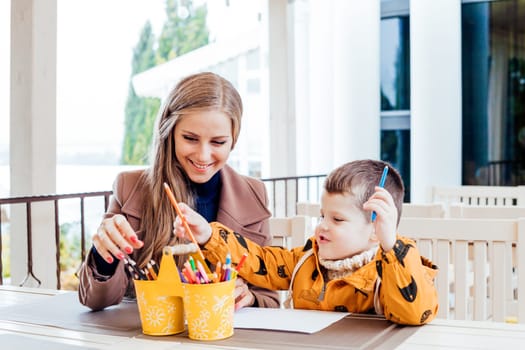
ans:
(209, 309)
(160, 302)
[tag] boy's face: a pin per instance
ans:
(343, 229)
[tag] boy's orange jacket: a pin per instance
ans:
(407, 294)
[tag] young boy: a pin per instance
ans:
(355, 262)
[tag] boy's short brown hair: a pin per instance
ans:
(359, 178)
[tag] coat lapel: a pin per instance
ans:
(240, 200)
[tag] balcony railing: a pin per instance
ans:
(284, 193)
(28, 202)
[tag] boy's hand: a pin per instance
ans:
(198, 225)
(386, 217)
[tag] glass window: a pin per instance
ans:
(493, 51)
(395, 95)
(395, 64)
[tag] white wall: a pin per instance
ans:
(435, 64)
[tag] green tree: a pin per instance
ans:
(140, 112)
(184, 30)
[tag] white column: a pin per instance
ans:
(343, 77)
(435, 64)
(356, 80)
(281, 91)
(33, 131)
(318, 156)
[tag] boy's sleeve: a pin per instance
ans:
(407, 292)
(267, 267)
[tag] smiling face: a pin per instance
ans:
(203, 142)
(343, 229)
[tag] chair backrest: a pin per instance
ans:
(493, 212)
(289, 232)
(310, 210)
(423, 210)
(479, 195)
(461, 210)
(476, 279)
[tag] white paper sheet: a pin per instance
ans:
(290, 320)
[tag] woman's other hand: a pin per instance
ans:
(243, 296)
(115, 237)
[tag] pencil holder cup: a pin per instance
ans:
(209, 309)
(160, 301)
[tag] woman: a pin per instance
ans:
(198, 127)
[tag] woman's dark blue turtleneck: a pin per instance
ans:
(207, 197)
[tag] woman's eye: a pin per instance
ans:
(338, 219)
(189, 138)
(220, 143)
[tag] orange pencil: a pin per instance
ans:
(151, 271)
(184, 222)
(241, 262)
(218, 271)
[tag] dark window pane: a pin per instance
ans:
(395, 64)
(395, 94)
(493, 68)
(395, 149)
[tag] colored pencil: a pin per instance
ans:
(381, 184)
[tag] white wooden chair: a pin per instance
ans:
(423, 210)
(312, 211)
(308, 209)
(446, 241)
(479, 195)
(461, 210)
(289, 232)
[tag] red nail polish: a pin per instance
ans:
(120, 256)
(109, 259)
(128, 250)
(133, 239)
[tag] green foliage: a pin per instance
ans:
(140, 112)
(179, 36)
(182, 35)
(5, 251)
(70, 254)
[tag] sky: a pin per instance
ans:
(95, 41)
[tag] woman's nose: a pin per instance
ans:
(204, 152)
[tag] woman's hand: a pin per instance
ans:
(386, 217)
(115, 236)
(243, 296)
(197, 224)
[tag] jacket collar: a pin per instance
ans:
(363, 278)
(236, 192)
(133, 204)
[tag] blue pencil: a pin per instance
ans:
(381, 184)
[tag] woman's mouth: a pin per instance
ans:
(199, 166)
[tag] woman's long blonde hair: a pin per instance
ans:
(202, 91)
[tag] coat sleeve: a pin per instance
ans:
(407, 292)
(265, 267)
(96, 290)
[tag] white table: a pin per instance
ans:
(440, 334)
